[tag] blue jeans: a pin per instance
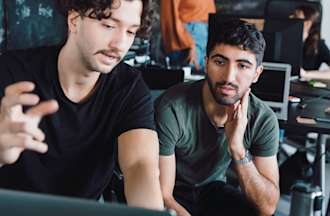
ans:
(199, 32)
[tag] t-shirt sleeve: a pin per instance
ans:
(266, 138)
(167, 125)
(324, 53)
(139, 111)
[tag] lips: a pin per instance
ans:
(226, 90)
(109, 58)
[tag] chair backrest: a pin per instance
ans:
(158, 78)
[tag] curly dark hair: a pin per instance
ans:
(99, 9)
(237, 32)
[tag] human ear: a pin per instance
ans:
(259, 71)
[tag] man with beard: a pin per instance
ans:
(206, 125)
(99, 106)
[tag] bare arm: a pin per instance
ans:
(138, 160)
(259, 181)
(167, 182)
(315, 74)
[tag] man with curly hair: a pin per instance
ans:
(68, 112)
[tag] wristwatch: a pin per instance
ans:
(246, 159)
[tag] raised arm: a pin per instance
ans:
(258, 178)
(138, 160)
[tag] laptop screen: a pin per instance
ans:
(270, 86)
(273, 87)
(16, 203)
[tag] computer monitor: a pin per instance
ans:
(284, 42)
(273, 87)
(16, 203)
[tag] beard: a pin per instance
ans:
(222, 99)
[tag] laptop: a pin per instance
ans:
(273, 87)
(15, 203)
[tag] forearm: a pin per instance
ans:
(259, 190)
(317, 74)
(142, 186)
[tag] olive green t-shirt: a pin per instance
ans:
(200, 149)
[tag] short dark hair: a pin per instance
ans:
(99, 9)
(237, 32)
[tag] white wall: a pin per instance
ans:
(326, 21)
(325, 34)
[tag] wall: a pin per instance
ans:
(2, 30)
(325, 30)
(326, 21)
(30, 23)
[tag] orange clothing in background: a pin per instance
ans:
(175, 14)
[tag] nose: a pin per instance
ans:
(229, 73)
(119, 40)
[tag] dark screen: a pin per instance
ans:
(284, 42)
(270, 86)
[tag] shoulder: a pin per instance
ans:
(258, 110)
(180, 96)
(323, 45)
(28, 55)
(28, 60)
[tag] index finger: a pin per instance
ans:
(44, 108)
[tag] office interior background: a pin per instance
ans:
(31, 23)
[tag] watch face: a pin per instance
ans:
(247, 158)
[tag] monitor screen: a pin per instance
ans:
(284, 42)
(270, 86)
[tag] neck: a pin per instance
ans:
(215, 112)
(76, 81)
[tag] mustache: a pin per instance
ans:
(224, 83)
(111, 53)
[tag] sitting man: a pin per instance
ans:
(99, 106)
(205, 125)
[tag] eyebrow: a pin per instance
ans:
(227, 59)
(119, 21)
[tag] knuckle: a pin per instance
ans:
(23, 126)
(25, 141)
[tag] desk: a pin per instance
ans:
(315, 108)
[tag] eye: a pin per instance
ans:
(244, 66)
(108, 26)
(131, 33)
(219, 62)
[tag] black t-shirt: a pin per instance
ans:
(81, 137)
(313, 62)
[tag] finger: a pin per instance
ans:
(19, 99)
(19, 88)
(245, 102)
(24, 127)
(230, 110)
(44, 108)
(22, 141)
